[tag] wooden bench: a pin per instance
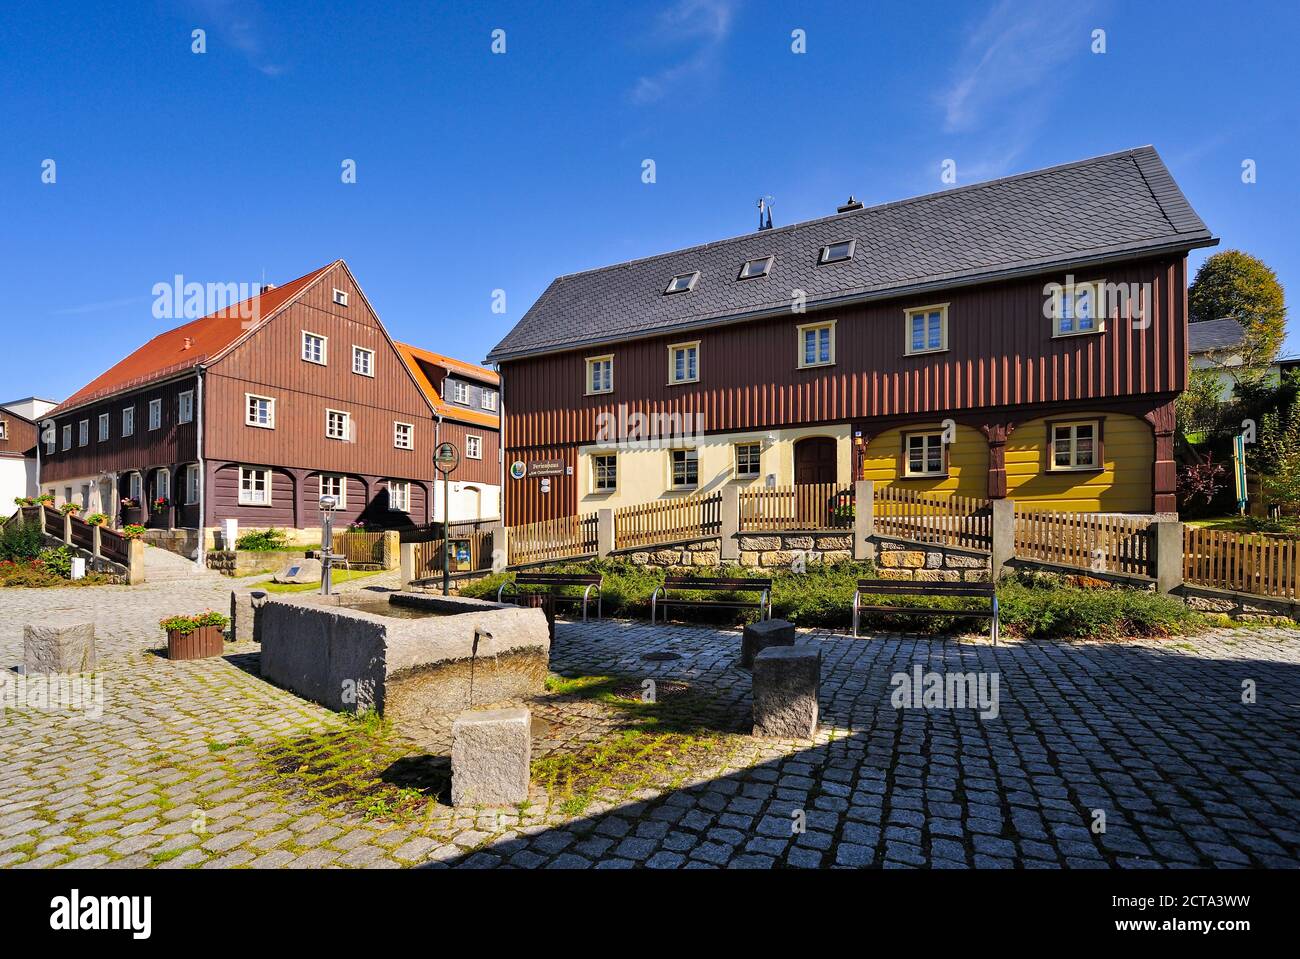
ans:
(546, 583)
(894, 587)
(761, 586)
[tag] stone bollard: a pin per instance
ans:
(66, 648)
(491, 750)
(244, 607)
(786, 682)
(762, 635)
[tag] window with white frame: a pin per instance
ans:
(927, 329)
(259, 411)
(817, 344)
(490, 401)
(473, 447)
(837, 252)
(155, 414)
(1075, 446)
(191, 484)
(103, 427)
(83, 432)
(313, 348)
(752, 269)
(67, 437)
(254, 486)
(134, 487)
(128, 421)
(748, 460)
(363, 361)
(604, 472)
(600, 374)
(50, 442)
(683, 282)
(341, 297)
(333, 484)
(686, 469)
(459, 391)
(338, 425)
(4, 429)
(399, 496)
(185, 407)
(924, 454)
(684, 363)
(404, 436)
(1077, 309)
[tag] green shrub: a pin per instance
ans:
(21, 540)
(57, 560)
(1055, 611)
(263, 541)
(188, 624)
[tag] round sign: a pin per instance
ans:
(446, 457)
(518, 469)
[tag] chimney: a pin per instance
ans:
(852, 203)
(189, 343)
(764, 213)
(267, 286)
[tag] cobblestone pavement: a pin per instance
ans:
(1153, 734)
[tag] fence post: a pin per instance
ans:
(95, 541)
(1004, 535)
(1167, 554)
(407, 562)
(391, 549)
(135, 562)
(500, 548)
(67, 528)
(864, 520)
(604, 532)
(729, 526)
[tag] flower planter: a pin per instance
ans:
(202, 643)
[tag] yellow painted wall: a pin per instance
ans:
(968, 463)
(1123, 485)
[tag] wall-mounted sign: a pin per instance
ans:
(546, 484)
(518, 470)
(546, 468)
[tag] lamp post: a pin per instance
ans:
(445, 459)
(328, 504)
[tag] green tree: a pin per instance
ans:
(1238, 285)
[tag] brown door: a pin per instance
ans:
(814, 460)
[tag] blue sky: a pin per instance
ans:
(478, 171)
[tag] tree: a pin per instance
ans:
(1238, 285)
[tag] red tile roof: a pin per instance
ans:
(187, 346)
(414, 357)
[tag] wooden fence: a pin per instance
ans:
(811, 506)
(670, 521)
(474, 554)
(360, 549)
(563, 538)
(1088, 541)
(940, 520)
(1261, 563)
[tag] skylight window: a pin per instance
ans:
(835, 252)
(753, 268)
(683, 282)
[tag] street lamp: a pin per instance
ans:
(328, 504)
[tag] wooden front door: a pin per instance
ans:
(814, 460)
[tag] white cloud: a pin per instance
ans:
(707, 24)
(239, 23)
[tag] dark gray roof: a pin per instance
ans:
(1106, 207)
(1206, 335)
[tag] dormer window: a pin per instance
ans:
(683, 282)
(835, 252)
(340, 298)
(756, 268)
(460, 392)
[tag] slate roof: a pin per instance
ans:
(1204, 336)
(1106, 207)
(416, 359)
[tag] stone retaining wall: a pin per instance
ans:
(246, 562)
(775, 550)
(897, 559)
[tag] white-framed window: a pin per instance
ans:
(155, 414)
(1078, 309)
(459, 391)
(128, 421)
(363, 361)
(162, 485)
(341, 297)
(314, 348)
(254, 486)
(748, 460)
(83, 432)
(604, 472)
(50, 442)
(683, 282)
(399, 496)
(4, 429)
(924, 454)
(191, 484)
(1076, 446)
(838, 251)
(103, 427)
(67, 437)
(684, 363)
(473, 447)
(135, 486)
(927, 329)
(817, 344)
(686, 469)
(259, 411)
(600, 374)
(404, 436)
(185, 407)
(490, 400)
(333, 484)
(338, 425)
(752, 269)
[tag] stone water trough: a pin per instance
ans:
(407, 655)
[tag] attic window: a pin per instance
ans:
(753, 268)
(835, 252)
(340, 297)
(683, 282)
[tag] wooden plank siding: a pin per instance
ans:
(19, 435)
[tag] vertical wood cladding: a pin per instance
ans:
(484, 470)
(19, 435)
(173, 442)
(367, 501)
(1001, 352)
